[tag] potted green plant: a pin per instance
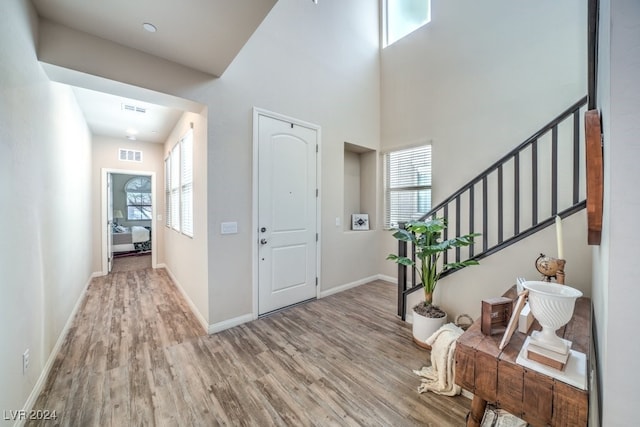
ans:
(429, 246)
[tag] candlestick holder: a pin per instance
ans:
(560, 272)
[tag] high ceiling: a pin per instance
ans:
(201, 34)
(204, 35)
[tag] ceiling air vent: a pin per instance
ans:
(134, 108)
(129, 155)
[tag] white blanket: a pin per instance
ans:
(439, 377)
(139, 234)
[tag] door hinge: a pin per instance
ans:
(316, 281)
(316, 237)
(317, 148)
(317, 192)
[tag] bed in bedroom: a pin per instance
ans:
(131, 239)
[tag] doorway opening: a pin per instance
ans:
(128, 210)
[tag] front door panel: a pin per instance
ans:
(287, 214)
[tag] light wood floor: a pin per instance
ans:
(129, 263)
(136, 356)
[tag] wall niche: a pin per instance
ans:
(360, 184)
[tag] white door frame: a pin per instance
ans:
(255, 221)
(103, 214)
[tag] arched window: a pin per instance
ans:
(138, 191)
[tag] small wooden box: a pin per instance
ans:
(496, 313)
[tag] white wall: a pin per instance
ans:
(317, 63)
(186, 257)
(45, 163)
(482, 76)
(476, 81)
(105, 156)
(615, 288)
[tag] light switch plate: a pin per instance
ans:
(228, 228)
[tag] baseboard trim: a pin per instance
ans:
(203, 322)
(357, 283)
(46, 369)
(230, 323)
(386, 278)
(394, 280)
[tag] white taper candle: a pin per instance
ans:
(559, 237)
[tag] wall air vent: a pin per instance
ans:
(134, 108)
(129, 155)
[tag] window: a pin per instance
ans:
(167, 191)
(178, 167)
(186, 184)
(138, 191)
(407, 184)
(175, 187)
(402, 17)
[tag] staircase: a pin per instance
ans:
(515, 197)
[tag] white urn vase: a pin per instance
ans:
(552, 305)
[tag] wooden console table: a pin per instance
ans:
(494, 376)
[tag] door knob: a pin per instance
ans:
(263, 241)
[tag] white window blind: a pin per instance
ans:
(175, 187)
(178, 169)
(407, 184)
(167, 191)
(186, 184)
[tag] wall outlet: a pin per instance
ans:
(25, 361)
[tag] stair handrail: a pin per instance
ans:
(576, 206)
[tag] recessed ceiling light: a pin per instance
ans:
(149, 27)
(131, 137)
(132, 131)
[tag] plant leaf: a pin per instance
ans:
(426, 237)
(404, 235)
(401, 260)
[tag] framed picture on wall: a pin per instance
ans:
(360, 221)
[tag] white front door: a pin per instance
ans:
(287, 226)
